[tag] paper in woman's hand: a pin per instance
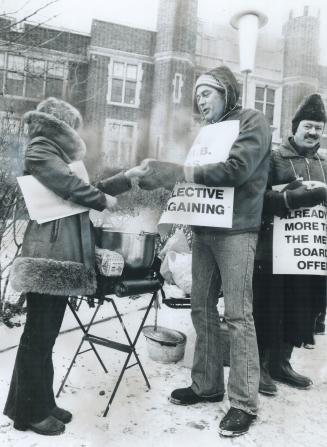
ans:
(43, 205)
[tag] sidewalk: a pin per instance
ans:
(142, 418)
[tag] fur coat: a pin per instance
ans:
(58, 257)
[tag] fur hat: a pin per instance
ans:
(311, 108)
(57, 120)
(62, 110)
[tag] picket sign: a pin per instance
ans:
(300, 241)
(199, 205)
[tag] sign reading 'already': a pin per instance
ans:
(300, 242)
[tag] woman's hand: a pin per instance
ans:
(111, 202)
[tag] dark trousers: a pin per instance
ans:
(31, 397)
(285, 307)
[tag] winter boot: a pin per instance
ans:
(283, 372)
(266, 384)
(320, 324)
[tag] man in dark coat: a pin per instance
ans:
(57, 260)
(286, 306)
(224, 257)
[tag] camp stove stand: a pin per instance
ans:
(108, 290)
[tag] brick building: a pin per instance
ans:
(134, 86)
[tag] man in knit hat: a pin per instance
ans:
(286, 306)
(224, 256)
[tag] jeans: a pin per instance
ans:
(225, 260)
(31, 397)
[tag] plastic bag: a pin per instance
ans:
(171, 290)
(177, 242)
(177, 269)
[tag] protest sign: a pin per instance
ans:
(213, 143)
(193, 204)
(300, 242)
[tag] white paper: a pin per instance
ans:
(300, 241)
(43, 205)
(192, 204)
(213, 143)
(199, 205)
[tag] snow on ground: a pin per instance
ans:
(145, 418)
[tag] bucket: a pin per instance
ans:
(164, 345)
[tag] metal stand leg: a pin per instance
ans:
(133, 351)
(85, 331)
(129, 348)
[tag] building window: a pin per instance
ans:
(30, 77)
(124, 83)
(265, 102)
(35, 72)
(55, 75)
(177, 88)
(15, 75)
(120, 142)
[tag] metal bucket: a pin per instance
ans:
(164, 345)
(138, 250)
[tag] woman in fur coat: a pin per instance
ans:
(57, 261)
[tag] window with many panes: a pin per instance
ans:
(124, 83)
(55, 75)
(30, 77)
(265, 102)
(35, 72)
(14, 83)
(119, 142)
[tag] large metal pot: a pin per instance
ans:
(138, 250)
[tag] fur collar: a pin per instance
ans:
(45, 125)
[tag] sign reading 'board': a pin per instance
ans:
(300, 242)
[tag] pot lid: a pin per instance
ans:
(164, 335)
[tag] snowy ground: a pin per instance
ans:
(142, 418)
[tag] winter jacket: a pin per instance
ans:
(285, 166)
(246, 169)
(57, 257)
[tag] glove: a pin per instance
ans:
(293, 185)
(301, 197)
(160, 174)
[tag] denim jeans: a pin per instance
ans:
(225, 260)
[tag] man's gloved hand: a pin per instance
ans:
(302, 197)
(293, 185)
(160, 174)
